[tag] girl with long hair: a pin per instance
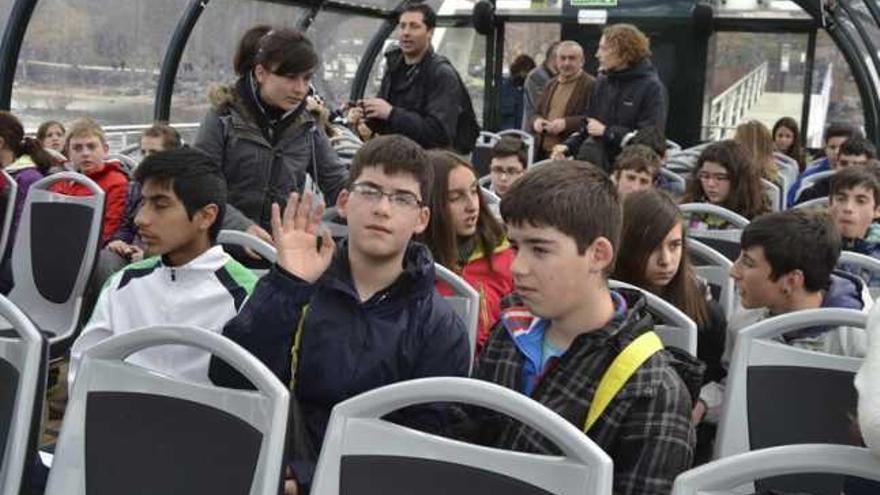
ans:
(464, 237)
(787, 140)
(757, 141)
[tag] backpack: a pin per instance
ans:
(465, 140)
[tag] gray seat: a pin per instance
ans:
(9, 194)
(527, 138)
(672, 146)
(726, 242)
(129, 164)
(366, 455)
(492, 201)
(53, 255)
(131, 430)
(481, 156)
(332, 221)
(777, 394)
(725, 476)
(465, 301)
(245, 240)
(676, 181)
(732, 217)
(714, 268)
(673, 327)
(773, 194)
(23, 363)
(811, 180)
(865, 266)
(819, 203)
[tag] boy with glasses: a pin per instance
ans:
(509, 159)
(337, 321)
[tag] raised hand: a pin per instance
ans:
(296, 238)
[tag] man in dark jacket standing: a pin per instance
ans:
(339, 322)
(628, 96)
(421, 95)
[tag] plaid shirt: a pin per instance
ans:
(646, 428)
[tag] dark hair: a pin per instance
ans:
(746, 190)
(510, 146)
(638, 157)
(193, 176)
(440, 235)
(648, 217)
(550, 54)
(850, 177)
(429, 17)
(45, 126)
(651, 137)
(169, 135)
(522, 64)
(797, 240)
(856, 146)
(837, 129)
(13, 136)
(286, 52)
(243, 61)
(558, 194)
(631, 45)
(396, 154)
(797, 150)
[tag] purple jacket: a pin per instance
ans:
(25, 173)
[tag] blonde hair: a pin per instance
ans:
(84, 127)
(755, 137)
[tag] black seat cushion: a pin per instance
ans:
(59, 236)
(149, 444)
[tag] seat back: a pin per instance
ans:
(527, 138)
(481, 156)
(23, 362)
(673, 327)
(732, 217)
(53, 256)
(245, 240)
(725, 476)
(778, 394)
(128, 163)
(811, 180)
(491, 201)
(364, 454)
(465, 300)
(726, 242)
(333, 222)
(773, 194)
(818, 203)
(867, 267)
(7, 201)
(132, 430)
(677, 183)
(714, 268)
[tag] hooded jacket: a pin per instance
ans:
(820, 165)
(114, 181)
(264, 162)
(846, 291)
(341, 346)
(25, 173)
(205, 293)
(626, 100)
(426, 99)
(492, 284)
(869, 246)
(648, 420)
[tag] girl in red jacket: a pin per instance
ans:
(87, 148)
(464, 237)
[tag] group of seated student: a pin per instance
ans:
(464, 236)
(725, 176)
(854, 152)
(834, 136)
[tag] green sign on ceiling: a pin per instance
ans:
(594, 3)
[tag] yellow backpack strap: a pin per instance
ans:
(622, 368)
(294, 352)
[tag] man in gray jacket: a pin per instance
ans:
(535, 83)
(265, 142)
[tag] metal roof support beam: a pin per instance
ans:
(168, 74)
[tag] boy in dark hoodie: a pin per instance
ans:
(788, 264)
(854, 205)
(337, 322)
(559, 346)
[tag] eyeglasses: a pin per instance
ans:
(373, 194)
(510, 171)
(715, 177)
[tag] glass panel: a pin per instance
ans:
(753, 76)
(342, 39)
(97, 58)
(207, 58)
(5, 10)
(530, 39)
(835, 94)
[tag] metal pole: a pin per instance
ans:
(808, 85)
(168, 74)
(10, 47)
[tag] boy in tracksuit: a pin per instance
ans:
(186, 280)
(559, 345)
(337, 321)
